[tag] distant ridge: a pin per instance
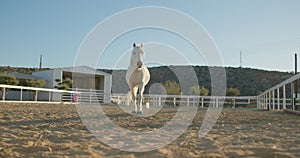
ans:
(26, 70)
(249, 81)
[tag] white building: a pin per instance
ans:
(85, 79)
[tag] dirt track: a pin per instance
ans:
(54, 130)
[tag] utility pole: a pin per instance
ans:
(241, 64)
(41, 60)
(295, 84)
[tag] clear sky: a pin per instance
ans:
(266, 32)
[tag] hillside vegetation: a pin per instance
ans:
(25, 70)
(248, 81)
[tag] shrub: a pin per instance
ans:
(199, 90)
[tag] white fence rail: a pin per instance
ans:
(190, 100)
(278, 97)
(89, 95)
(21, 93)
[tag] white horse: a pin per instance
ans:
(137, 76)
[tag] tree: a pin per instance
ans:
(232, 92)
(199, 90)
(172, 88)
(36, 83)
(8, 80)
(64, 84)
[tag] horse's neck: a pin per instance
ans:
(132, 62)
(131, 67)
(130, 70)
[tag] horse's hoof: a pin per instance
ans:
(140, 112)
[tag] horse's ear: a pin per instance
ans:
(134, 45)
(141, 45)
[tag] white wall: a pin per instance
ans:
(51, 75)
(107, 88)
(47, 76)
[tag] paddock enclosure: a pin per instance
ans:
(248, 126)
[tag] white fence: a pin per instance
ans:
(21, 93)
(278, 96)
(190, 100)
(88, 95)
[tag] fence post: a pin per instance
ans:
(270, 99)
(278, 99)
(4, 94)
(174, 101)
(257, 102)
(267, 104)
(153, 100)
(21, 94)
(292, 95)
(260, 101)
(90, 95)
(202, 102)
(284, 98)
(194, 100)
(36, 97)
(273, 99)
(233, 101)
(262, 97)
(265, 101)
(159, 101)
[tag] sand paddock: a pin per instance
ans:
(56, 130)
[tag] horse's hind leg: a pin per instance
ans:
(133, 96)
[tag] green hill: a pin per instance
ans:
(248, 81)
(25, 70)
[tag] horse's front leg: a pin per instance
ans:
(141, 96)
(133, 97)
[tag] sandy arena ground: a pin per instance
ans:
(56, 130)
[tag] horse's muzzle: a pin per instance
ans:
(139, 64)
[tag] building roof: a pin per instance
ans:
(81, 69)
(84, 69)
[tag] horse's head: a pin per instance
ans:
(137, 55)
